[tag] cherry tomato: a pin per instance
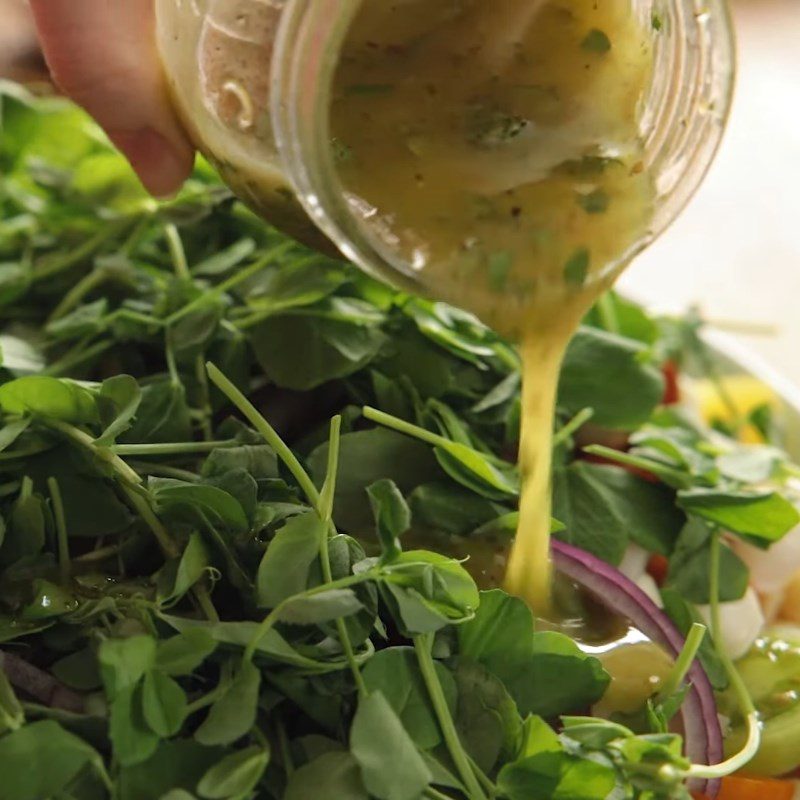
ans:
(657, 568)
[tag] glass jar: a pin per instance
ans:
(252, 81)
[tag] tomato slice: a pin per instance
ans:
(672, 392)
(736, 788)
(657, 568)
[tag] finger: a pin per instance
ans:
(102, 53)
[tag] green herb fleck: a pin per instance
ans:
(369, 88)
(596, 41)
(657, 22)
(500, 265)
(492, 127)
(588, 166)
(342, 153)
(595, 202)
(577, 267)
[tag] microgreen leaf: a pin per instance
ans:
(236, 775)
(391, 766)
(334, 774)
(163, 704)
(286, 566)
(322, 607)
(766, 516)
(234, 713)
(40, 395)
(611, 375)
(395, 673)
(51, 756)
(183, 654)
(123, 395)
(392, 516)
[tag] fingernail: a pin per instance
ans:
(162, 168)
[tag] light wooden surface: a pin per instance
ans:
(736, 249)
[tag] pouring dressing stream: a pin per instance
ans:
(509, 157)
(497, 150)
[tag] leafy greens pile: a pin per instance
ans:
(206, 583)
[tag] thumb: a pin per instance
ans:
(102, 54)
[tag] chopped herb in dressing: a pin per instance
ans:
(595, 202)
(341, 152)
(500, 265)
(493, 127)
(596, 41)
(577, 267)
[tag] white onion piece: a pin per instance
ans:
(741, 621)
(771, 570)
(634, 562)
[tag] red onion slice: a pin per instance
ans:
(703, 735)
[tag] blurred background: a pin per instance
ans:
(735, 253)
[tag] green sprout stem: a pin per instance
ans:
(274, 616)
(177, 252)
(240, 277)
(608, 313)
(325, 511)
(171, 448)
(78, 292)
(127, 475)
(206, 412)
(422, 647)
(424, 435)
(76, 356)
(172, 364)
(435, 794)
(284, 747)
(577, 422)
(683, 664)
(266, 430)
(142, 507)
(483, 779)
(746, 705)
(671, 476)
(329, 487)
(10, 488)
(321, 502)
(64, 564)
(64, 260)
(148, 468)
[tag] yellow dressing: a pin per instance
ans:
(494, 149)
(638, 671)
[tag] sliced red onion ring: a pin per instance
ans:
(703, 736)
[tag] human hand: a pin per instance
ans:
(102, 54)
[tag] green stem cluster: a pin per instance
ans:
(746, 705)
(322, 503)
(427, 666)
